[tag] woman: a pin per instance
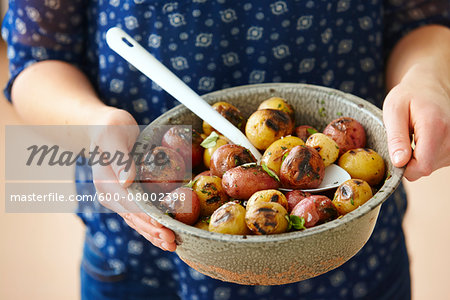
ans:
(64, 73)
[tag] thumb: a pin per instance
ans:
(396, 119)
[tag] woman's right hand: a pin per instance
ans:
(116, 132)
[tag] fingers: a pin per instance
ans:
(159, 236)
(396, 119)
(428, 132)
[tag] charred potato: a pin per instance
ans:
(351, 194)
(230, 112)
(243, 181)
(326, 146)
(210, 194)
(229, 156)
(268, 196)
(185, 141)
(325, 208)
(220, 141)
(266, 126)
(315, 209)
(303, 168)
(347, 133)
(294, 197)
(279, 104)
(183, 205)
(277, 151)
(267, 218)
(363, 163)
(229, 219)
(304, 131)
(161, 169)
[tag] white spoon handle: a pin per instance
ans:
(136, 55)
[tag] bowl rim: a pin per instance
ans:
(392, 181)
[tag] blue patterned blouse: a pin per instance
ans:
(214, 44)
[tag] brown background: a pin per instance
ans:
(40, 253)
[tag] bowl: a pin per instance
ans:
(288, 257)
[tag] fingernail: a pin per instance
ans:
(123, 177)
(398, 156)
(164, 245)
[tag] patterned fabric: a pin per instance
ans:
(214, 44)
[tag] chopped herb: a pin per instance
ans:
(284, 148)
(170, 214)
(295, 222)
(206, 220)
(322, 112)
(339, 114)
(352, 201)
(213, 188)
(322, 102)
(311, 130)
(270, 172)
(191, 183)
(284, 156)
(210, 141)
(279, 105)
(269, 153)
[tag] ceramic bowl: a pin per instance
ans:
(289, 257)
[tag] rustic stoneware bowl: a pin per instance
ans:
(289, 257)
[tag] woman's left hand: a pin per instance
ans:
(419, 105)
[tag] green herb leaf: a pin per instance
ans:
(284, 156)
(284, 148)
(210, 141)
(311, 130)
(298, 223)
(190, 184)
(352, 201)
(270, 172)
(339, 114)
(322, 112)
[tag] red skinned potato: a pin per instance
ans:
(204, 173)
(294, 197)
(227, 157)
(162, 169)
(307, 210)
(347, 133)
(305, 131)
(243, 181)
(325, 208)
(230, 112)
(303, 168)
(183, 205)
(185, 141)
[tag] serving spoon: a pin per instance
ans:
(130, 50)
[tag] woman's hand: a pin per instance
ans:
(420, 105)
(117, 132)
